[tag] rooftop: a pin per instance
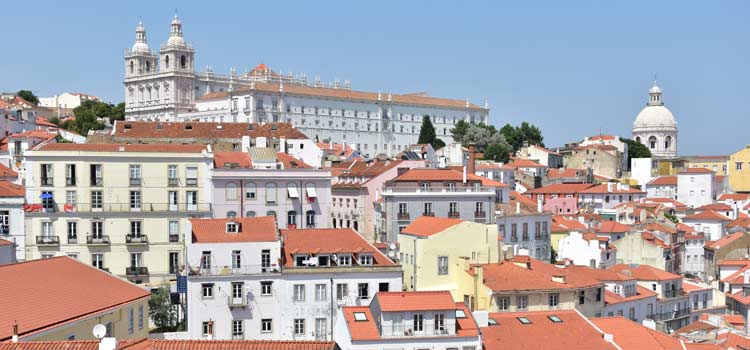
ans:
(706, 215)
(415, 301)
(9, 189)
(629, 335)
(524, 273)
(428, 174)
(258, 229)
(328, 241)
(667, 180)
(204, 130)
(560, 188)
(160, 344)
(426, 226)
(645, 272)
(113, 147)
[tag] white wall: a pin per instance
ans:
(695, 189)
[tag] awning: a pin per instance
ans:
(46, 195)
(293, 193)
(311, 192)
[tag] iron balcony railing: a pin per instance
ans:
(480, 214)
(666, 316)
(403, 216)
(174, 238)
(119, 207)
(233, 270)
(47, 240)
(136, 239)
(173, 182)
(136, 271)
(48, 181)
(98, 240)
(428, 214)
(454, 214)
(406, 329)
(672, 293)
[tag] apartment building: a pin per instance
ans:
(623, 296)
(122, 208)
(12, 222)
(63, 299)
(263, 182)
(607, 196)
(701, 298)
(435, 253)
(358, 184)
(234, 279)
(439, 193)
(696, 187)
(408, 320)
(739, 170)
(587, 249)
(524, 228)
(662, 187)
(672, 310)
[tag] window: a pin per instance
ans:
(299, 292)
(231, 191)
(207, 328)
(96, 199)
(97, 229)
(70, 174)
(266, 288)
(342, 291)
(271, 193)
(265, 259)
(403, 209)
(135, 174)
(238, 331)
(250, 191)
(136, 259)
(97, 260)
(140, 317)
(525, 231)
(453, 207)
(310, 219)
(738, 165)
(208, 290)
(72, 231)
(503, 303)
(291, 218)
(554, 298)
(192, 200)
(363, 291)
(581, 297)
(130, 321)
(522, 302)
(266, 325)
(236, 259)
(191, 175)
(233, 227)
(365, 259)
(442, 265)
(250, 214)
(174, 262)
(479, 207)
(418, 322)
(598, 294)
(428, 209)
(320, 292)
(299, 326)
(440, 324)
(135, 200)
(47, 175)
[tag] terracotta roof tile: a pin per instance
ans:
(697, 171)
(5, 242)
(226, 159)
(707, 215)
(612, 227)
(259, 229)
(563, 173)
(723, 241)
(560, 188)
(603, 188)
(524, 163)
(715, 206)
(734, 196)
(342, 240)
(290, 162)
(415, 301)
(204, 130)
(641, 293)
(53, 288)
(645, 272)
(7, 172)
(629, 335)
(425, 174)
(113, 147)
(360, 330)
(9, 189)
(668, 180)
(508, 276)
(426, 226)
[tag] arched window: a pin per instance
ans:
(231, 214)
(183, 61)
(652, 142)
(132, 67)
(231, 191)
(250, 214)
(291, 218)
(166, 61)
(668, 142)
(638, 139)
(310, 218)
(148, 66)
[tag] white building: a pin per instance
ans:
(641, 170)
(701, 298)
(164, 86)
(623, 296)
(712, 224)
(586, 250)
(541, 155)
(66, 100)
(694, 260)
(234, 279)
(408, 320)
(497, 171)
(608, 196)
(696, 187)
(656, 127)
(662, 187)
(525, 229)
(12, 221)
(453, 154)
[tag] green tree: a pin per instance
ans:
(89, 114)
(427, 134)
(28, 96)
(511, 136)
(636, 150)
(497, 152)
(55, 120)
(531, 134)
(161, 310)
(459, 131)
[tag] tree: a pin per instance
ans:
(636, 150)
(89, 113)
(497, 152)
(28, 96)
(161, 310)
(459, 131)
(55, 120)
(427, 134)
(531, 134)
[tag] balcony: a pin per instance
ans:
(48, 241)
(191, 182)
(237, 302)
(116, 208)
(429, 330)
(174, 238)
(480, 214)
(454, 214)
(173, 182)
(135, 181)
(47, 181)
(97, 181)
(70, 181)
(672, 293)
(403, 216)
(667, 316)
(136, 271)
(441, 191)
(428, 214)
(136, 239)
(233, 271)
(97, 240)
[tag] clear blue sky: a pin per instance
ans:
(571, 67)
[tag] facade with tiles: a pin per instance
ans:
(122, 208)
(164, 86)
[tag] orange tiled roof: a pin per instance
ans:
(113, 147)
(524, 163)
(9, 189)
(259, 229)
(574, 332)
(426, 226)
(697, 171)
(560, 188)
(563, 173)
(415, 301)
(601, 274)
(360, 330)
(53, 288)
(603, 188)
(723, 241)
(667, 180)
(332, 240)
(45, 122)
(160, 344)
(629, 335)
(224, 159)
(34, 134)
(738, 296)
(507, 276)
(715, 206)
(707, 215)
(597, 146)
(741, 222)
(731, 340)
(734, 196)
(5, 242)
(641, 293)
(690, 287)
(602, 137)
(612, 227)
(290, 162)
(645, 272)
(426, 174)
(204, 130)
(7, 172)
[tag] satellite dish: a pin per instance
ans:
(391, 254)
(392, 246)
(100, 331)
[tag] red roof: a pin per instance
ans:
(226, 159)
(426, 226)
(5, 242)
(45, 122)
(668, 180)
(604, 188)
(415, 301)
(509, 276)
(560, 188)
(113, 147)
(259, 229)
(612, 227)
(59, 290)
(563, 173)
(160, 344)
(204, 130)
(715, 206)
(425, 174)
(697, 171)
(34, 134)
(707, 215)
(360, 330)
(690, 287)
(645, 272)
(9, 189)
(734, 196)
(7, 172)
(574, 332)
(602, 137)
(290, 162)
(524, 163)
(629, 335)
(641, 293)
(332, 240)
(723, 241)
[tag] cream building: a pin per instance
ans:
(656, 127)
(122, 208)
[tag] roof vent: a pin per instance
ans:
(159, 126)
(128, 126)
(250, 127)
(219, 126)
(121, 148)
(188, 127)
(274, 127)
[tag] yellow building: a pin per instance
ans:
(63, 299)
(436, 252)
(717, 164)
(738, 169)
(122, 208)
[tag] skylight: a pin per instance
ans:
(554, 318)
(492, 322)
(460, 313)
(360, 316)
(523, 320)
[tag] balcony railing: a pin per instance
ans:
(48, 181)
(233, 271)
(136, 271)
(97, 181)
(135, 181)
(428, 214)
(672, 293)
(237, 302)
(133, 239)
(666, 316)
(174, 238)
(454, 214)
(70, 181)
(48, 240)
(173, 182)
(117, 207)
(429, 330)
(437, 190)
(403, 216)
(480, 214)
(97, 240)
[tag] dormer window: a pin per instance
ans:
(300, 260)
(365, 259)
(233, 227)
(324, 260)
(343, 260)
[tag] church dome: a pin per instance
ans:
(139, 48)
(176, 41)
(140, 45)
(655, 117)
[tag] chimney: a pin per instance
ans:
(518, 207)
(472, 161)
(539, 206)
(15, 332)
(282, 145)
(609, 186)
(330, 144)
(464, 175)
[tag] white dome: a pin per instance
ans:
(139, 47)
(176, 41)
(655, 89)
(655, 117)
